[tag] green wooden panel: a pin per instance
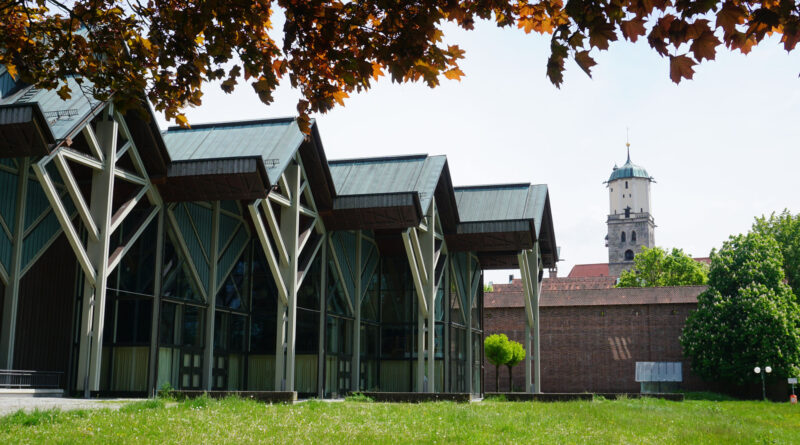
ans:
(369, 263)
(344, 246)
(231, 254)
(193, 244)
(8, 197)
(230, 206)
(228, 227)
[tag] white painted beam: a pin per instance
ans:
(118, 254)
(65, 220)
(211, 315)
(266, 247)
(412, 262)
(418, 256)
(77, 197)
(279, 199)
(275, 230)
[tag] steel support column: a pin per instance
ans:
(355, 368)
(211, 312)
(287, 313)
(152, 383)
(11, 298)
(93, 320)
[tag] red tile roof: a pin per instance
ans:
(589, 270)
(589, 292)
(622, 296)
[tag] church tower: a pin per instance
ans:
(630, 221)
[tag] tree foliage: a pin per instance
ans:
(655, 267)
(517, 355)
(747, 317)
(785, 229)
(498, 351)
(169, 49)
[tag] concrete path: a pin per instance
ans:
(10, 405)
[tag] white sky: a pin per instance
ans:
(722, 147)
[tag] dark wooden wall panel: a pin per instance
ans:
(44, 317)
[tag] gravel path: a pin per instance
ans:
(10, 405)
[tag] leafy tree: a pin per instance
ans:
(330, 49)
(655, 267)
(747, 317)
(785, 228)
(498, 351)
(517, 355)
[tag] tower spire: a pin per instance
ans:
(628, 143)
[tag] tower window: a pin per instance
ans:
(622, 237)
(628, 255)
(626, 184)
(627, 212)
(633, 236)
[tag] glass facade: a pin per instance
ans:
(245, 317)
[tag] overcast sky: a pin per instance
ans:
(722, 147)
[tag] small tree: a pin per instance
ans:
(498, 351)
(655, 267)
(517, 355)
(748, 316)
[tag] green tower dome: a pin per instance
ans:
(628, 170)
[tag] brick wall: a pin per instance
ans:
(594, 348)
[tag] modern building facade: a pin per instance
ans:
(235, 256)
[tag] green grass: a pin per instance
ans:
(233, 420)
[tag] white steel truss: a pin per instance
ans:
(423, 248)
(466, 275)
(284, 240)
(108, 141)
(529, 267)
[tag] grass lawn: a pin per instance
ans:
(235, 420)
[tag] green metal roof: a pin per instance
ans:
(370, 176)
(628, 170)
(502, 202)
(62, 116)
(274, 140)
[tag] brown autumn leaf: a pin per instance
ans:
(729, 16)
(585, 61)
(601, 35)
(632, 29)
(680, 67)
(705, 46)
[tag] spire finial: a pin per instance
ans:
(628, 143)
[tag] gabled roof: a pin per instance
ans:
(62, 116)
(388, 174)
(239, 160)
(275, 141)
(504, 219)
(35, 121)
(390, 192)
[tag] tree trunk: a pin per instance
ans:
(496, 378)
(510, 380)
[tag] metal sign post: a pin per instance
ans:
(793, 397)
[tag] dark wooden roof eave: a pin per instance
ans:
(376, 211)
(242, 178)
(24, 131)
